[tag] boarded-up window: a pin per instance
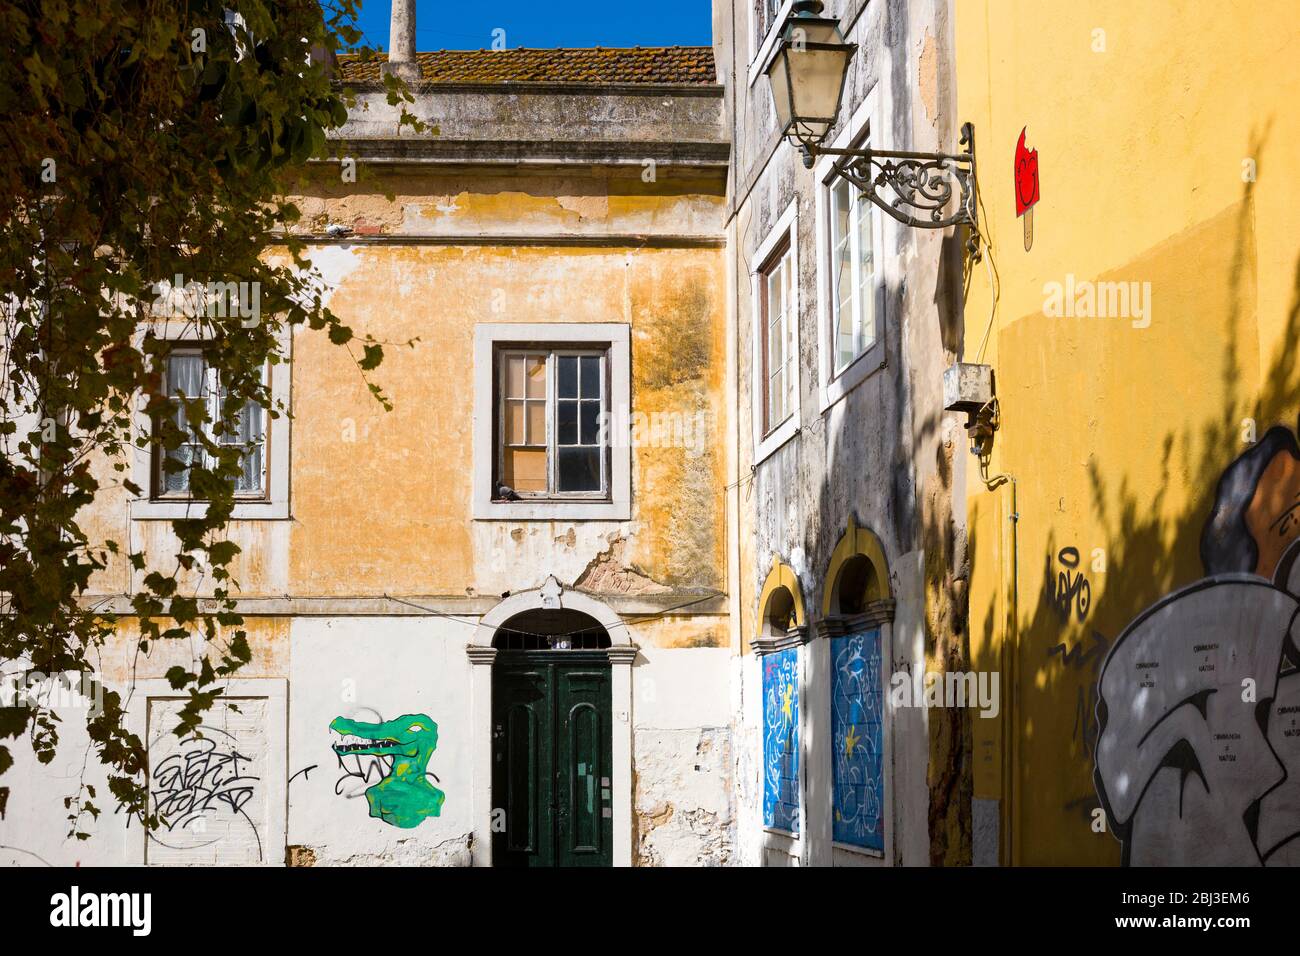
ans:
(214, 791)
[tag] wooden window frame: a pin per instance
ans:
(552, 353)
(211, 384)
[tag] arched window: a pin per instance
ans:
(782, 628)
(857, 610)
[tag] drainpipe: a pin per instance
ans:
(1010, 655)
(401, 43)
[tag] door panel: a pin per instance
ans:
(584, 745)
(523, 749)
(551, 759)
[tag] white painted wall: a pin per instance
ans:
(377, 668)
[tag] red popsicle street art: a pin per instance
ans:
(1026, 186)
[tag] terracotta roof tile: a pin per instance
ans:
(668, 64)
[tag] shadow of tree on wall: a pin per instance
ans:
(1073, 608)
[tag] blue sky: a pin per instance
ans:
(442, 25)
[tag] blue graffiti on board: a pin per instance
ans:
(857, 739)
(781, 740)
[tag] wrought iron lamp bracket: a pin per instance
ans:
(922, 185)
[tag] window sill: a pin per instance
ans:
(854, 374)
(777, 831)
(165, 510)
(859, 850)
(776, 438)
(553, 510)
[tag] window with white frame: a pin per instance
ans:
(191, 386)
(552, 406)
(854, 262)
(552, 409)
(778, 349)
(764, 17)
(853, 322)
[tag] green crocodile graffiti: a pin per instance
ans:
(404, 797)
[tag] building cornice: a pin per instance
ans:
(877, 614)
(611, 240)
(424, 151)
(542, 88)
(675, 602)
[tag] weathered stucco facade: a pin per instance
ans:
(859, 479)
(549, 206)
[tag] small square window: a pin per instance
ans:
(192, 385)
(552, 442)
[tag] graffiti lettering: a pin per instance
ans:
(1067, 591)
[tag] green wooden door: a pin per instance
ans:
(551, 759)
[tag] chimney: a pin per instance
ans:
(401, 43)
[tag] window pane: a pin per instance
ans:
(514, 423)
(590, 422)
(179, 481)
(566, 423)
(537, 376)
(579, 469)
(775, 395)
(525, 469)
(514, 376)
(866, 331)
(841, 274)
(250, 480)
(182, 419)
(591, 376)
(567, 376)
(537, 423)
(247, 428)
(185, 374)
(775, 336)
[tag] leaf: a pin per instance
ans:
(222, 552)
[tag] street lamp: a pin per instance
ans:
(807, 73)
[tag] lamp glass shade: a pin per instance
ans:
(807, 77)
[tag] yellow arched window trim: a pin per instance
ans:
(856, 541)
(782, 576)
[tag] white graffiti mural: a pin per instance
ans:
(1198, 757)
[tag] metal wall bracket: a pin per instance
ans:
(920, 185)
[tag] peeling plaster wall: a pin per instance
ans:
(379, 668)
(885, 454)
(380, 506)
(421, 452)
(683, 802)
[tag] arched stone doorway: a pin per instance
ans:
(552, 682)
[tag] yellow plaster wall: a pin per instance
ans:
(1115, 434)
(381, 500)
